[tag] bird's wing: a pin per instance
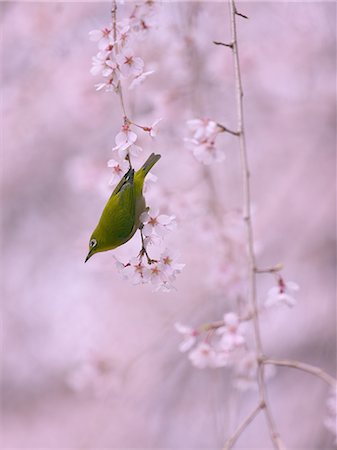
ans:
(123, 181)
(119, 213)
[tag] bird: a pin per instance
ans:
(120, 218)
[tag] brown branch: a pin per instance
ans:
(274, 435)
(222, 43)
(243, 425)
(313, 370)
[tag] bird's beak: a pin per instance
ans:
(89, 255)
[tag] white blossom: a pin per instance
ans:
(202, 142)
(125, 142)
(203, 356)
(139, 79)
(245, 372)
(129, 65)
(232, 333)
(331, 421)
(189, 335)
(104, 37)
(282, 294)
(156, 223)
(118, 169)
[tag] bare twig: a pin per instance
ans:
(275, 437)
(225, 129)
(243, 425)
(273, 269)
(313, 370)
(223, 43)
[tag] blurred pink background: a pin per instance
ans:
(90, 361)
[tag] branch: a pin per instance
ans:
(274, 435)
(313, 370)
(119, 85)
(231, 441)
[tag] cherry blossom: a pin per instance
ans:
(132, 271)
(104, 37)
(189, 336)
(139, 79)
(245, 372)
(203, 356)
(156, 275)
(123, 32)
(168, 264)
(203, 129)
(152, 130)
(202, 142)
(331, 421)
(129, 65)
(118, 169)
(142, 19)
(156, 223)
(108, 86)
(232, 333)
(125, 142)
(282, 294)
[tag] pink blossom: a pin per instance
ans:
(331, 421)
(104, 37)
(282, 294)
(139, 79)
(232, 333)
(155, 275)
(118, 169)
(152, 130)
(189, 336)
(108, 86)
(168, 264)
(123, 32)
(203, 356)
(156, 223)
(133, 271)
(129, 65)
(103, 64)
(143, 19)
(125, 142)
(202, 143)
(203, 129)
(245, 372)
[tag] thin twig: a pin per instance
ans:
(243, 425)
(225, 129)
(313, 370)
(273, 269)
(224, 44)
(275, 437)
(119, 89)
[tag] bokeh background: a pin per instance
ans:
(90, 361)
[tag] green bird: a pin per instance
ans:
(120, 218)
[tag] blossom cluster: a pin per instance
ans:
(116, 59)
(331, 421)
(126, 148)
(162, 271)
(202, 140)
(225, 342)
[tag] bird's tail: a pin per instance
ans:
(149, 163)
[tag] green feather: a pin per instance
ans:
(120, 218)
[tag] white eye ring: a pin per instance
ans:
(92, 243)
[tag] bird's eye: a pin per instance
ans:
(92, 243)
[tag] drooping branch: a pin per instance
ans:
(247, 217)
(313, 370)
